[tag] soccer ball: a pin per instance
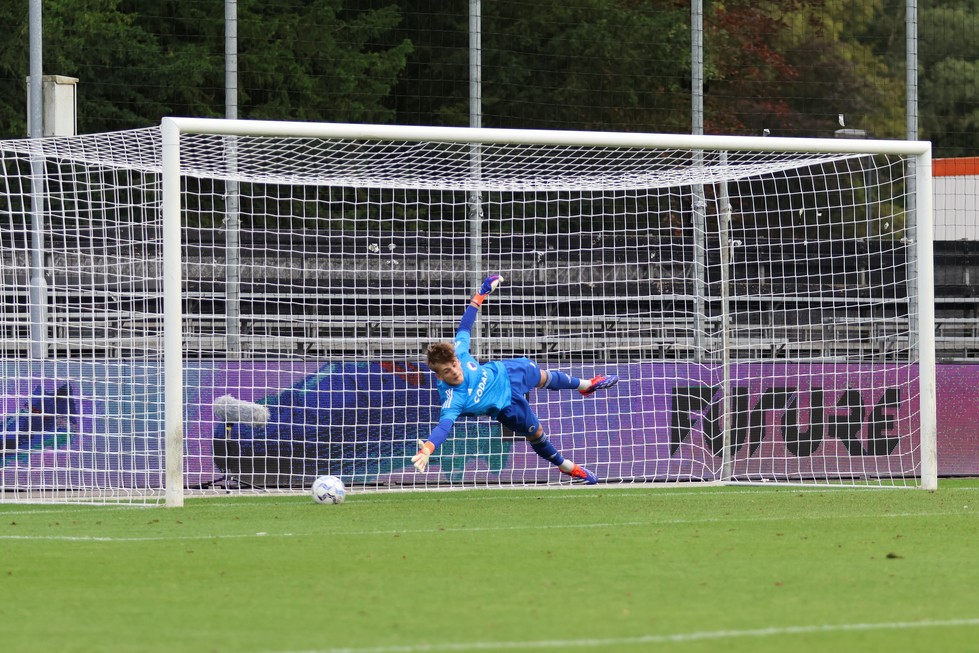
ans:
(328, 489)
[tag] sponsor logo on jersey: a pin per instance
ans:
(481, 388)
(448, 399)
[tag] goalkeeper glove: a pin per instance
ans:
(489, 285)
(420, 459)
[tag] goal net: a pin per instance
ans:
(231, 306)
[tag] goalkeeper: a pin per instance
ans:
(497, 389)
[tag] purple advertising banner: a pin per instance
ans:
(70, 424)
(958, 420)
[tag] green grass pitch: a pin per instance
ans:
(680, 568)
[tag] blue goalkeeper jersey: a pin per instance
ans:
(485, 389)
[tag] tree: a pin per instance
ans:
(433, 89)
(14, 68)
(317, 62)
(592, 64)
(137, 63)
(949, 77)
(585, 64)
(830, 44)
(795, 67)
(130, 74)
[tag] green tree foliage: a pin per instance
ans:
(744, 71)
(794, 67)
(434, 89)
(584, 64)
(949, 77)
(318, 62)
(830, 45)
(14, 68)
(138, 61)
(791, 67)
(129, 76)
(591, 64)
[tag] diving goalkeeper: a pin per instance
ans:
(497, 389)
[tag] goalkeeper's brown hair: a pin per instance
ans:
(440, 353)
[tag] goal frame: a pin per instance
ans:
(173, 127)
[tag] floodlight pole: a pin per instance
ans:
(698, 198)
(38, 284)
(475, 153)
(232, 222)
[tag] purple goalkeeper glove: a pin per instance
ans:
(489, 285)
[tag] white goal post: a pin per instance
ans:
(255, 299)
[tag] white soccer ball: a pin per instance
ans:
(328, 489)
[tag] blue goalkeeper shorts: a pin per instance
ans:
(524, 376)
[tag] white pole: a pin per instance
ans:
(484, 135)
(173, 371)
(924, 233)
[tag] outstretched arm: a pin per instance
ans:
(426, 447)
(469, 317)
(441, 431)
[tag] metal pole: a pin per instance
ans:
(232, 306)
(231, 59)
(723, 227)
(911, 110)
(697, 66)
(38, 284)
(911, 68)
(36, 99)
(475, 151)
(698, 199)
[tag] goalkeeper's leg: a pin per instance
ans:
(519, 418)
(543, 447)
(553, 380)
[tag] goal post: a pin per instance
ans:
(920, 335)
(767, 303)
(173, 350)
(925, 290)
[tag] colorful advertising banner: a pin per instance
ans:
(71, 424)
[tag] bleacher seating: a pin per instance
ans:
(784, 301)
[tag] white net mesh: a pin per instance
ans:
(758, 307)
(81, 385)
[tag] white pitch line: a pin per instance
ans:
(652, 639)
(159, 538)
(479, 529)
(484, 494)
